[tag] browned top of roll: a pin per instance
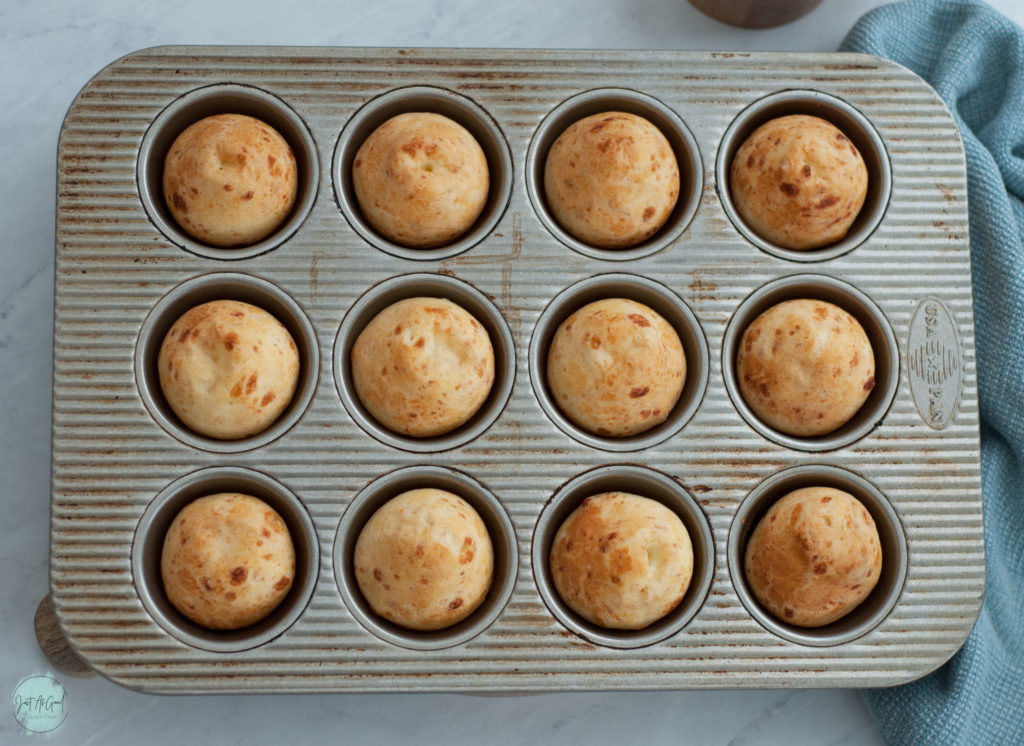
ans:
(421, 179)
(799, 182)
(228, 369)
(813, 557)
(423, 366)
(611, 179)
(228, 561)
(621, 561)
(805, 367)
(424, 560)
(616, 367)
(230, 180)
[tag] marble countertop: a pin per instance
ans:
(48, 51)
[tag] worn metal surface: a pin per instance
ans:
(111, 456)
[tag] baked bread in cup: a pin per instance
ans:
(616, 367)
(813, 557)
(621, 561)
(228, 561)
(228, 369)
(230, 180)
(611, 180)
(423, 367)
(798, 182)
(424, 560)
(805, 367)
(421, 180)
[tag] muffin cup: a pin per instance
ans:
(670, 306)
(225, 99)
(645, 482)
(431, 286)
(691, 168)
(499, 527)
(876, 607)
(147, 548)
(853, 124)
(225, 286)
(861, 307)
(438, 101)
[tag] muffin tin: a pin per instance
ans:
(122, 464)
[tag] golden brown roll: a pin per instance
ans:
(228, 369)
(424, 560)
(813, 557)
(805, 367)
(230, 180)
(228, 561)
(611, 180)
(621, 561)
(798, 182)
(421, 180)
(616, 367)
(423, 366)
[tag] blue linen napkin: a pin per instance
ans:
(974, 58)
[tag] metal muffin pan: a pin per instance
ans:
(121, 462)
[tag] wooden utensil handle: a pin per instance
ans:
(54, 645)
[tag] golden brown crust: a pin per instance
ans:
(424, 560)
(228, 369)
(230, 180)
(616, 367)
(611, 180)
(805, 367)
(798, 182)
(813, 557)
(621, 561)
(423, 366)
(421, 180)
(228, 561)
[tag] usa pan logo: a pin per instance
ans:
(935, 363)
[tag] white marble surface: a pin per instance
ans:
(48, 50)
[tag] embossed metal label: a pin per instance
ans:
(934, 363)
